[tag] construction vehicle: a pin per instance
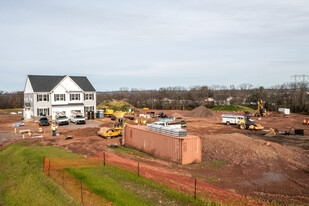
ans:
(112, 133)
(77, 118)
(61, 118)
(130, 114)
(261, 111)
(272, 132)
(248, 123)
(162, 115)
(231, 119)
(107, 111)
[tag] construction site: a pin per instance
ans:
(261, 159)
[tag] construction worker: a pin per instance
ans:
(144, 122)
(53, 129)
(305, 121)
(136, 121)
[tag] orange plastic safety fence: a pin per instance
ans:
(55, 169)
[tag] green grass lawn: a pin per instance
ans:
(22, 181)
(232, 108)
(11, 110)
(125, 188)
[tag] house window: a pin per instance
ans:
(59, 97)
(74, 97)
(89, 108)
(43, 97)
(89, 96)
(43, 112)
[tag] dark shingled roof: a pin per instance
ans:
(45, 83)
(83, 83)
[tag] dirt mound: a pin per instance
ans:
(85, 132)
(176, 115)
(201, 111)
(238, 148)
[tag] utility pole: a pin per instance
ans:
(300, 78)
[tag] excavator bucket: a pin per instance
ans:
(272, 132)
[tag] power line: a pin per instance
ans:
(300, 78)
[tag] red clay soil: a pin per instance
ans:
(179, 182)
(271, 169)
(167, 112)
(201, 111)
(259, 168)
(90, 131)
(176, 115)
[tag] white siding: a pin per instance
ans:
(28, 87)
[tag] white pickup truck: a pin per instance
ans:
(61, 120)
(78, 119)
(176, 126)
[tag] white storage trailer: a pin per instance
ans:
(284, 110)
(231, 118)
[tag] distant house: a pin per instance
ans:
(47, 95)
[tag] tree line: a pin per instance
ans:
(293, 95)
(10, 100)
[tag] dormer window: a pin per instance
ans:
(74, 97)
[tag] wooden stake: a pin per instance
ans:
(63, 178)
(195, 189)
(104, 158)
(138, 168)
(81, 191)
(48, 167)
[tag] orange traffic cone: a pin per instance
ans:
(41, 129)
(29, 133)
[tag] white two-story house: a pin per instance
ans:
(48, 95)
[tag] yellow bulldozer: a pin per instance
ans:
(130, 114)
(114, 132)
(248, 123)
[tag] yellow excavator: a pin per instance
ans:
(107, 111)
(261, 111)
(248, 123)
(112, 133)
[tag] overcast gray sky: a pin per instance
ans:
(154, 43)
